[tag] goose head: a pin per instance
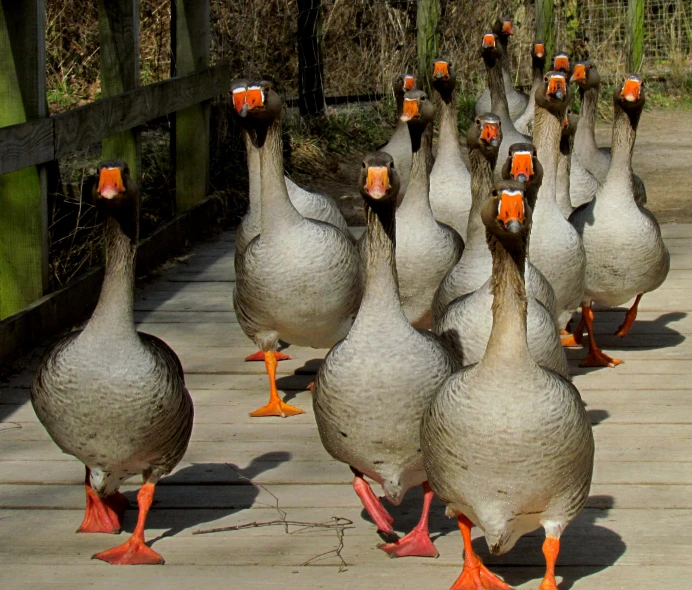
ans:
(418, 110)
(629, 96)
(115, 194)
(504, 29)
(444, 78)
(379, 180)
(486, 135)
(522, 166)
(560, 63)
(491, 51)
(403, 84)
(257, 102)
(507, 214)
(538, 54)
(586, 75)
(553, 94)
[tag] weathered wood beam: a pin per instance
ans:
(119, 40)
(35, 142)
(190, 39)
(23, 202)
(310, 69)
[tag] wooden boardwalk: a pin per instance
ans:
(634, 533)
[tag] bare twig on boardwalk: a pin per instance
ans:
(337, 523)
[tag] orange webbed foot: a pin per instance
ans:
(132, 552)
(548, 583)
(259, 356)
(276, 407)
(416, 544)
(479, 577)
(103, 515)
(570, 340)
(597, 358)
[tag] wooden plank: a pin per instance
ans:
(79, 128)
(119, 43)
(190, 38)
(23, 193)
(310, 68)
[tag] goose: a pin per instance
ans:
(113, 397)
(564, 164)
(399, 145)
(625, 251)
(450, 181)
(426, 249)
(524, 123)
(299, 279)
(556, 248)
(593, 162)
(475, 266)
(516, 101)
(491, 52)
(560, 63)
(467, 322)
(308, 204)
(368, 414)
(507, 444)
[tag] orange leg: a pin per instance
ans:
(551, 549)
(475, 575)
(259, 356)
(275, 407)
(574, 339)
(134, 551)
(372, 503)
(102, 515)
(630, 316)
(596, 357)
(417, 542)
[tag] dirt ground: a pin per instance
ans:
(662, 158)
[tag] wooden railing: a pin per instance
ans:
(30, 139)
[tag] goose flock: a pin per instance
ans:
(446, 322)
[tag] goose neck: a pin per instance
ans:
(507, 345)
(114, 315)
(278, 213)
(417, 199)
(481, 185)
(546, 136)
(449, 133)
(585, 136)
(381, 294)
(498, 97)
(624, 135)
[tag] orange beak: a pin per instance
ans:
(489, 132)
(539, 49)
(511, 208)
(441, 69)
(561, 63)
(110, 183)
(488, 40)
(631, 89)
(507, 28)
(410, 109)
(239, 99)
(255, 98)
(377, 183)
(522, 164)
(556, 87)
(409, 83)
(579, 73)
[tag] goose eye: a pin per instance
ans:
(494, 193)
(391, 165)
(364, 165)
(478, 122)
(545, 79)
(423, 98)
(591, 67)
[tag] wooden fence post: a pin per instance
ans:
(427, 40)
(635, 35)
(23, 202)
(310, 70)
(545, 25)
(119, 39)
(190, 133)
